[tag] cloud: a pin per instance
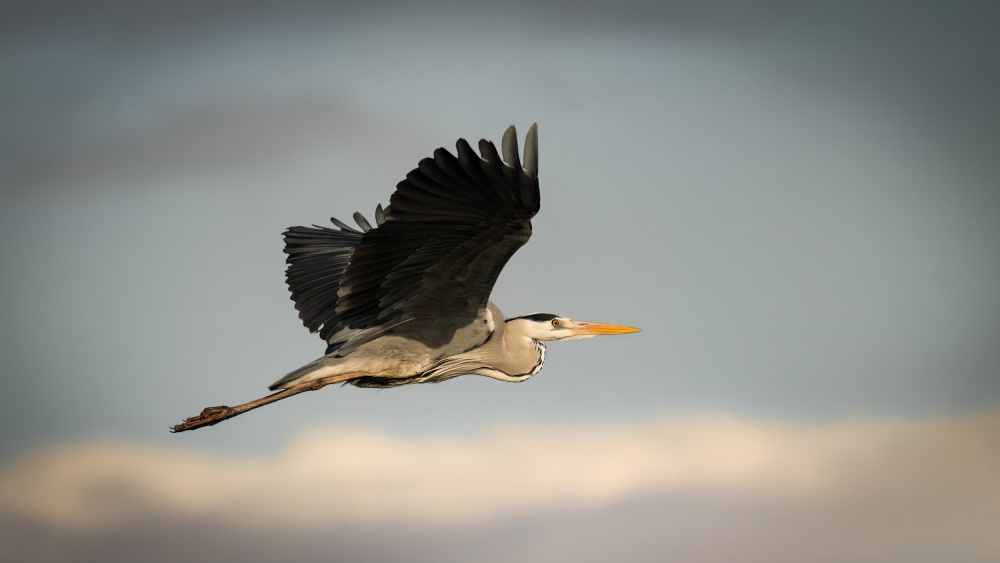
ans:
(863, 486)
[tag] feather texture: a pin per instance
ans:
(435, 252)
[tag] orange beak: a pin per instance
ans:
(584, 328)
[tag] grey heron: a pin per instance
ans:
(407, 301)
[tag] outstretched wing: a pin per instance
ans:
(451, 226)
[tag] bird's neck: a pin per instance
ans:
(525, 354)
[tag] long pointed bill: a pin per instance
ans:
(584, 328)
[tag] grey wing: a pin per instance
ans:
(451, 226)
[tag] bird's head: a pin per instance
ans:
(546, 326)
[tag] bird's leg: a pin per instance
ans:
(214, 415)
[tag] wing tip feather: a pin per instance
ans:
(509, 147)
(531, 151)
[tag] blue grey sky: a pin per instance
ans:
(798, 202)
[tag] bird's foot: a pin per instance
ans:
(208, 417)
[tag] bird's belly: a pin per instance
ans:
(391, 356)
(406, 355)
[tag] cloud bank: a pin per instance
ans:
(713, 487)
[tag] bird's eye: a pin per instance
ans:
(555, 322)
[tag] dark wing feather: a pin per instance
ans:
(450, 228)
(317, 258)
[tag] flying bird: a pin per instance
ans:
(407, 300)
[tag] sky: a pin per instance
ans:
(796, 201)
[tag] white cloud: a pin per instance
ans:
(874, 486)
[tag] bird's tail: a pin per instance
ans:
(316, 369)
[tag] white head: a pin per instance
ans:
(546, 326)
